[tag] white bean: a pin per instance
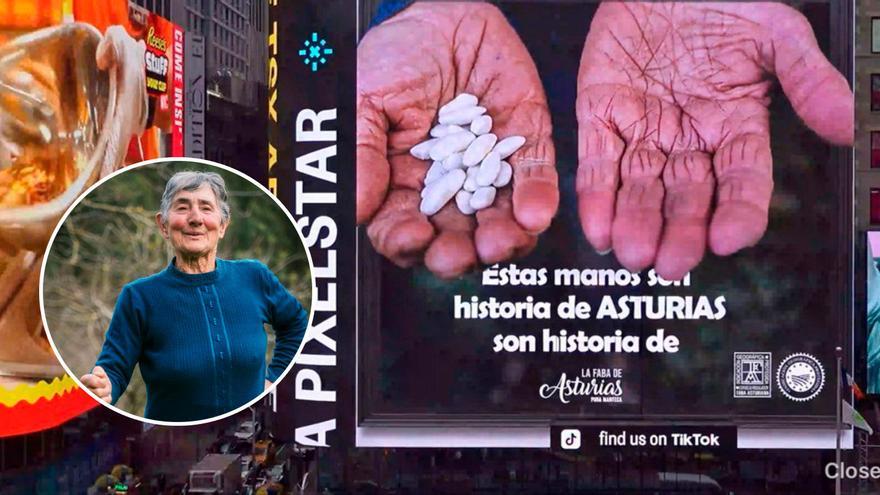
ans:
(422, 151)
(453, 161)
(488, 170)
(450, 144)
(463, 100)
(468, 158)
(481, 125)
(463, 116)
(483, 197)
(441, 130)
(478, 149)
(439, 192)
(470, 183)
(508, 146)
(434, 172)
(504, 175)
(463, 200)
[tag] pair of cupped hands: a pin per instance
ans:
(673, 129)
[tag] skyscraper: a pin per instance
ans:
(867, 98)
(235, 41)
(161, 7)
(235, 45)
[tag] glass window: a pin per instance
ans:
(875, 205)
(875, 92)
(875, 35)
(875, 149)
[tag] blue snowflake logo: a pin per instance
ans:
(315, 52)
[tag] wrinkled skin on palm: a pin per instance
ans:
(674, 137)
(408, 67)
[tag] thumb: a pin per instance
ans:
(88, 380)
(99, 383)
(94, 382)
(818, 92)
(373, 169)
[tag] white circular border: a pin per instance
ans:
(821, 375)
(162, 161)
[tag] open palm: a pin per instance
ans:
(408, 67)
(674, 137)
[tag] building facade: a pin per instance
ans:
(867, 99)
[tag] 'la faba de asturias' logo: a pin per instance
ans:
(599, 384)
(800, 377)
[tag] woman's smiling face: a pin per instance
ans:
(195, 224)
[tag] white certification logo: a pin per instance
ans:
(800, 377)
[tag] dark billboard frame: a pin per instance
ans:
(848, 333)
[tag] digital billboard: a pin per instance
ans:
(559, 247)
(872, 311)
(164, 73)
(498, 319)
(108, 84)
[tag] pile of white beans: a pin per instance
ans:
(468, 159)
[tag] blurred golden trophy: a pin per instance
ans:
(54, 103)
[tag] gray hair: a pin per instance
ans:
(190, 181)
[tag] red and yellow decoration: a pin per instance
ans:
(28, 407)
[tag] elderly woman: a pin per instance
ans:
(196, 327)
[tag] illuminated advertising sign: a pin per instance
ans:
(55, 57)
(310, 144)
(514, 312)
(164, 70)
(872, 311)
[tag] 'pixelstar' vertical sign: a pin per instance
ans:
(311, 169)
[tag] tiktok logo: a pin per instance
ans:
(570, 439)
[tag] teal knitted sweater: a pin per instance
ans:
(199, 338)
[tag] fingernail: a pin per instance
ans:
(603, 253)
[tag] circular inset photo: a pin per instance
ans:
(176, 291)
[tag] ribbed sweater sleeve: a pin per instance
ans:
(289, 321)
(123, 341)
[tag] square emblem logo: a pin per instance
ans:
(752, 373)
